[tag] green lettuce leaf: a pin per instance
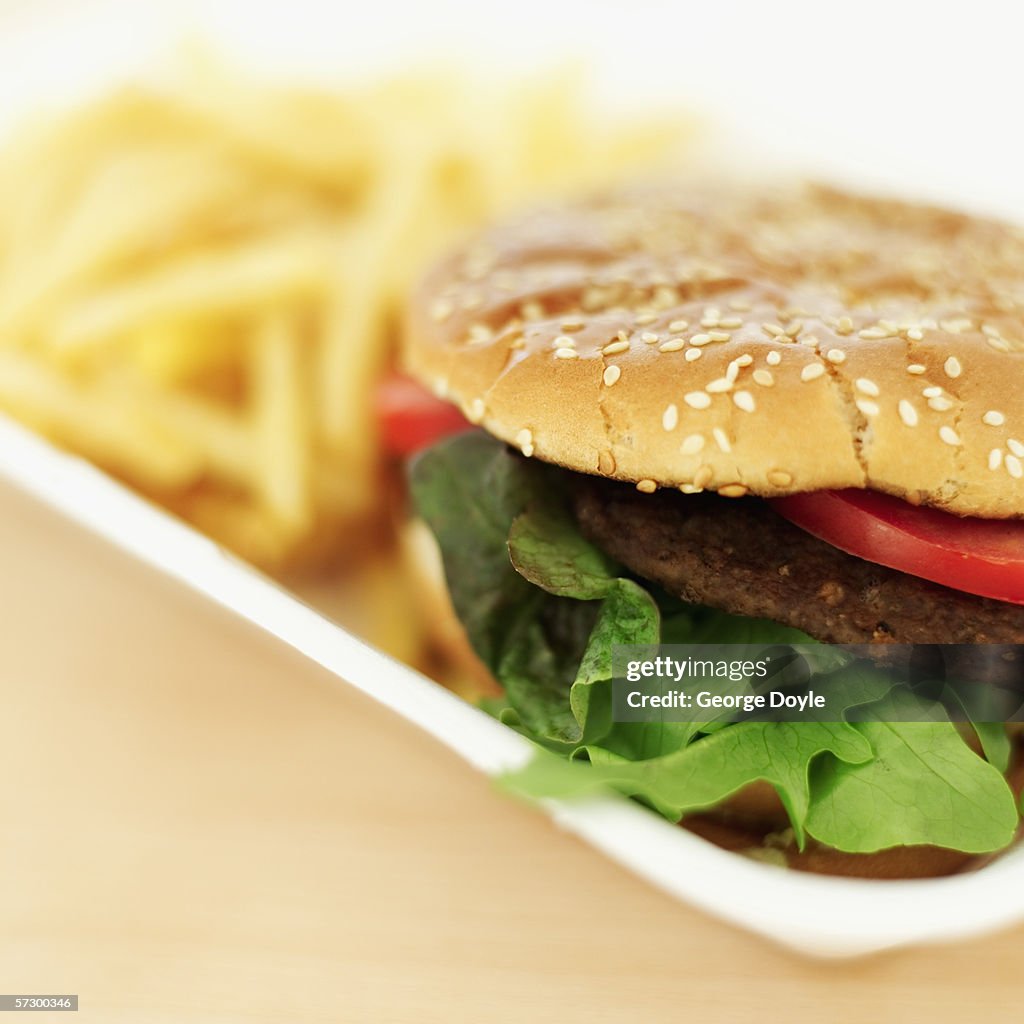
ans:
(704, 773)
(923, 785)
(543, 607)
(546, 548)
(543, 618)
(995, 743)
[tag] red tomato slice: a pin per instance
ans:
(412, 418)
(978, 556)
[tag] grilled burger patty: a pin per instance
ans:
(741, 557)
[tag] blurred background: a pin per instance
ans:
(205, 251)
(210, 217)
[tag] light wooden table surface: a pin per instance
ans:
(198, 826)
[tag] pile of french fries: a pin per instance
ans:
(201, 278)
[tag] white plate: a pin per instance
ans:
(820, 916)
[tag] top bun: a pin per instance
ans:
(762, 342)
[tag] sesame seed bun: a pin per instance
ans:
(763, 342)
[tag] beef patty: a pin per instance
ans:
(740, 556)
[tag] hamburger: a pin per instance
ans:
(716, 413)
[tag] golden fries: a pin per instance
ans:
(199, 282)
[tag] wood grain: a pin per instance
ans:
(198, 826)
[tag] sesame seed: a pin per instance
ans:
(703, 477)
(812, 371)
(949, 435)
(615, 348)
(710, 321)
(835, 355)
(952, 367)
(867, 407)
(693, 353)
(794, 329)
(697, 399)
(989, 331)
(873, 333)
(744, 360)
(844, 326)
(940, 404)
(692, 444)
(644, 319)
(915, 333)
(774, 330)
(995, 458)
(442, 309)
(664, 297)
(779, 478)
(916, 369)
(672, 345)
(732, 491)
(475, 412)
(1014, 467)
(740, 305)
(993, 418)
(955, 326)
(718, 385)
(606, 463)
(480, 332)
(931, 392)
(572, 324)
(809, 340)
(907, 413)
(677, 326)
(764, 378)
(868, 387)
(712, 312)
(650, 337)
(611, 375)
(670, 417)
(721, 439)
(719, 335)
(566, 353)
(731, 322)
(999, 344)
(744, 400)
(690, 489)
(525, 441)
(1015, 446)
(646, 486)
(773, 358)
(701, 339)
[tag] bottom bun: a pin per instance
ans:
(779, 848)
(456, 663)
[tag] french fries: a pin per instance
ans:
(200, 279)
